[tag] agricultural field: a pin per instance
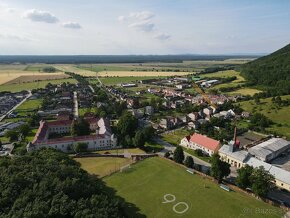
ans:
(36, 78)
(74, 69)
(161, 188)
(102, 166)
(126, 79)
(139, 73)
(33, 85)
(280, 115)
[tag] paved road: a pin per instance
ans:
(76, 105)
(170, 147)
(16, 106)
(91, 88)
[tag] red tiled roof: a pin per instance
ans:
(205, 141)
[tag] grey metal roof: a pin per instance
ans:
(238, 155)
(268, 147)
(279, 174)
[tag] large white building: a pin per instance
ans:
(103, 139)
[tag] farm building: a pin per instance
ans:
(197, 141)
(270, 149)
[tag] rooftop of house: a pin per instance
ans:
(205, 141)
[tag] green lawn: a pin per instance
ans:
(30, 105)
(102, 166)
(146, 184)
(33, 85)
(175, 136)
(280, 115)
(226, 73)
(245, 91)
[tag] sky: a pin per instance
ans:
(120, 27)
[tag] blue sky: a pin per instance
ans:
(143, 27)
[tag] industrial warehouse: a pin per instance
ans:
(258, 156)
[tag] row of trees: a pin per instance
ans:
(257, 179)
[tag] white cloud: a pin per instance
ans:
(145, 26)
(162, 36)
(142, 15)
(13, 37)
(122, 18)
(72, 25)
(40, 16)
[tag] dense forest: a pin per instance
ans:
(48, 183)
(83, 59)
(271, 71)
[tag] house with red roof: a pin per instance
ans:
(197, 141)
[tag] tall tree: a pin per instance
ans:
(80, 127)
(219, 168)
(262, 181)
(244, 174)
(80, 147)
(178, 155)
(189, 162)
(127, 124)
(139, 139)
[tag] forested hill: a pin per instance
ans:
(271, 71)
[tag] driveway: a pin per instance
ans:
(170, 147)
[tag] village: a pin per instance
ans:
(207, 122)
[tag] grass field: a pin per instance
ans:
(30, 105)
(33, 85)
(280, 115)
(146, 184)
(102, 166)
(226, 73)
(175, 136)
(245, 91)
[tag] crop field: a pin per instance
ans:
(280, 115)
(38, 77)
(139, 73)
(9, 75)
(33, 85)
(159, 188)
(74, 69)
(102, 166)
(126, 79)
